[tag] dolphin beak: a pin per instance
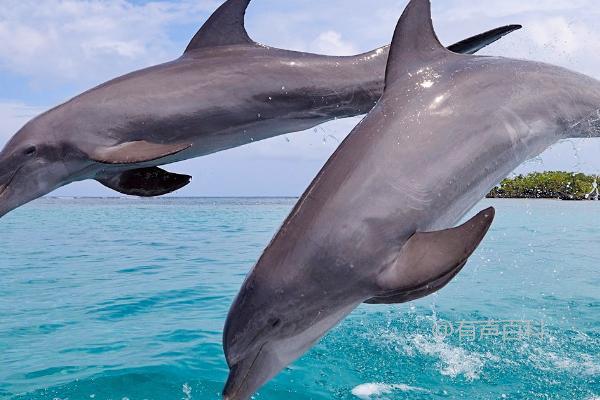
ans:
(235, 382)
(22, 186)
(249, 374)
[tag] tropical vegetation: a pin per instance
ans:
(548, 185)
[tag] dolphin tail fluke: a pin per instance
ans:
(145, 182)
(470, 45)
(473, 44)
(428, 261)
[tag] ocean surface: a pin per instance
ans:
(126, 299)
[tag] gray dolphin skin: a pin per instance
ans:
(224, 92)
(373, 225)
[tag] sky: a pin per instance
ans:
(53, 50)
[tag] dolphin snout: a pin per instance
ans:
(236, 387)
(234, 382)
(237, 382)
(250, 373)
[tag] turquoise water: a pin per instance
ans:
(126, 299)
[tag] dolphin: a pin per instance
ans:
(375, 224)
(224, 91)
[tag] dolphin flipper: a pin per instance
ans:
(410, 295)
(145, 182)
(224, 27)
(473, 44)
(434, 259)
(136, 152)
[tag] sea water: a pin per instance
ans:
(126, 299)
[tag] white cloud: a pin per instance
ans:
(89, 41)
(331, 43)
(547, 32)
(467, 9)
(13, 116)
(54, 43)
(310, 145)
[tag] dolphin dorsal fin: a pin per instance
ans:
(415, 42)
(224, 27)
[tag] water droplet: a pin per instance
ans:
(187, 391)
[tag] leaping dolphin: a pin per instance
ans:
(225, 91)
(373, 225)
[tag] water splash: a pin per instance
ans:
(454, 361)
(367, 391)
(187, 391)
(595, 193)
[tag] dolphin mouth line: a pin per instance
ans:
(247, 373)
(4, 188)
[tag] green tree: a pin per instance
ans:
(545, 185)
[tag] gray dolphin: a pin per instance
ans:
(225, 91)
(373, 225)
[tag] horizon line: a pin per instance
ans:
(170, 197)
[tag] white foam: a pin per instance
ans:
(187, 391)
(585, 365)
(455, 360)
(367, 391)
(577, 364)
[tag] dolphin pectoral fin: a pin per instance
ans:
(473, 44)
(136, 152)
(145, 182)
(224, 27)
(428, 261)
(404, 296)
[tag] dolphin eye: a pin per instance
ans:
(30, 151)
(275, 322)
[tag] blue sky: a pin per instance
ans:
(54, 49)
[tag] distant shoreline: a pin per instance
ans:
(558, 185)
(165, 197)
(234, 198)
(551, 185)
